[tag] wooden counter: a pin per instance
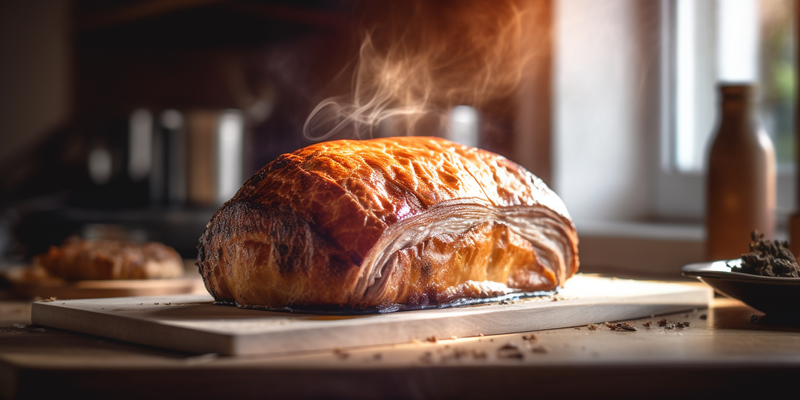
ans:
(726, 349)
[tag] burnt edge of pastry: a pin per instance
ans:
(328, 309)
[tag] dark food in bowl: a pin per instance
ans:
(768, 258)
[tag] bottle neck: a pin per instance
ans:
(737, 111)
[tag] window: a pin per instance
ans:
(707, 42)
(618, 129)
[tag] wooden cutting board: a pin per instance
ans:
(27, 282)
(192, 323)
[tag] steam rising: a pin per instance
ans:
(421, 60)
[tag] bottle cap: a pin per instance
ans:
(731, 89)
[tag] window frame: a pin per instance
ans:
(680, 195)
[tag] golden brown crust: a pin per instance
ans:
(258, 247)
(408, 220)
(105, 259)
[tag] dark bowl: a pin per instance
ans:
(771, 295)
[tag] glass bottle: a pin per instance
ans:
(740, 187)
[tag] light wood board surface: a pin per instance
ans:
(192, 323)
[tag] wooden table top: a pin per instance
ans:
(727, 349)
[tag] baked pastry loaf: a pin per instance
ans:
(108, 259)
(414, 221)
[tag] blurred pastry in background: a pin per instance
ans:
(79, 259)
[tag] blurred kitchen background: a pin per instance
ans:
(136, 119)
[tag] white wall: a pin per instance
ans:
(34, 71)
(606, 99)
